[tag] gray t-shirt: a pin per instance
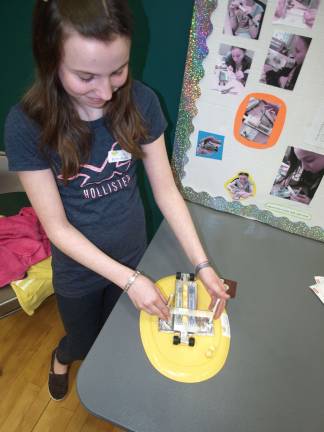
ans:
(102, 200)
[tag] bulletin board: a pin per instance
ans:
(250, 132)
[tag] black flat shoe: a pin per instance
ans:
(57, 383)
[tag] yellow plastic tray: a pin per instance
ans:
(181, 362)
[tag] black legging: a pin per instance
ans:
(83, 318)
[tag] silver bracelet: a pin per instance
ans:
(201, 266)
(131, 280)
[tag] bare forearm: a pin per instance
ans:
(170, 201)
(75, 245)
(176, 212)
(43, 194)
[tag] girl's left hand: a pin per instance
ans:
(215, 288)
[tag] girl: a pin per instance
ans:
(239, 63)
(241, 187)
(246, 18)
(303, 177)
(286, 77)
(75, 140)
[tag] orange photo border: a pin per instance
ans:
(277, 127)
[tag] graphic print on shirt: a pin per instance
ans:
(109, 177)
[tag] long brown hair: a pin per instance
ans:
(46, 102)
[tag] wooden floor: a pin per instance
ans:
(26, 344)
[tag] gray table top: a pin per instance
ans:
(273, 379)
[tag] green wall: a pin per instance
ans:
(158, 57)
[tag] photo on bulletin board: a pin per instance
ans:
(210, 145)
(296, 13)
(244, 18)
(285, 57)
(299, 175)
(241, 186)
(232, 69)
(250, 132)
(258, 120)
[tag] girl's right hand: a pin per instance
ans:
(146, 296)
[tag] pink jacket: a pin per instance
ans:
(23, 242)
